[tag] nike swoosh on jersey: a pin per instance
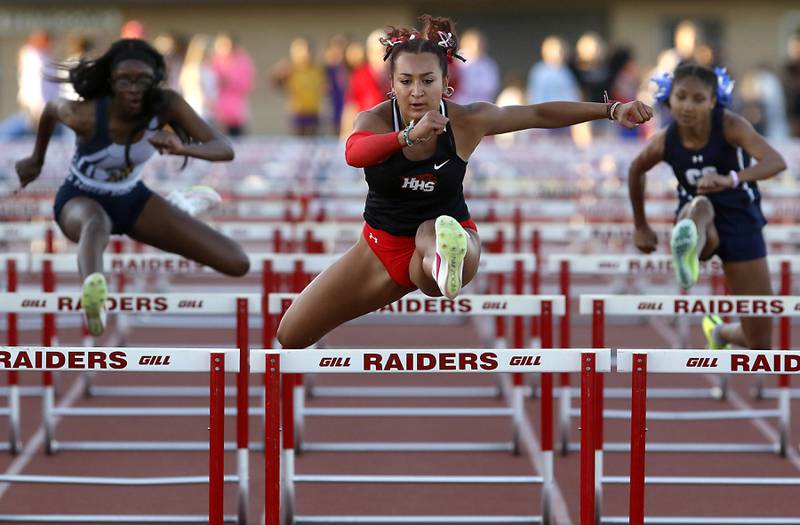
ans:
(437, 166)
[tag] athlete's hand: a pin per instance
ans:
(431, 124)
(28, 169)
(631, 114)
(645, 239)
(714, 183)
(167, 142)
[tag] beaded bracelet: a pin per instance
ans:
(407, 135)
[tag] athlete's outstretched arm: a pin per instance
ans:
(209, 143)
(644, 237)
(55, 111)
(496, 120)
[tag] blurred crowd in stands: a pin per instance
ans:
(325, 84)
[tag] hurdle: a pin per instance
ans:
(110, 359)
(599, 306)
(641, 362)
(299, 268)
(416, 305)
(13, 392)
(280, 486)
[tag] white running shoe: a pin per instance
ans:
(195, 200)
(93, 302)
(684, 253)
(451, 248)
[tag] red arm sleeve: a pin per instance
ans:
(367, 149)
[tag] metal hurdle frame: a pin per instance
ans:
(198, 303)
(598, 306)
(641, 362)
(214, 361)
(11, 263)
(417, 304)
(301, 266)
(280, 473)
(651, 265)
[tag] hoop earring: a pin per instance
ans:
(391, 95)
(449, 90)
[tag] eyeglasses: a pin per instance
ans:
(144, 82)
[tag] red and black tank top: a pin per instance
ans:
(405, 193)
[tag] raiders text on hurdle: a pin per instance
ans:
(415, 304)
(280, 474)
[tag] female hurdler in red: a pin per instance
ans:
(414, 150)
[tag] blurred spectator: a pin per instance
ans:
(369, 82)
(590, 66)
(336, 76)
(303, 82)
(513, 94)
(625, 82)
(132, 29)
(36, 76)
(198, 81)
(173, 48)
(792, 82)
(479, 77)
(79, 47)
(235, 75)
(550, 79)
(762, 97)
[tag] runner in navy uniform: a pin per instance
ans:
(415, 148)
(719, 212)
(120, 122)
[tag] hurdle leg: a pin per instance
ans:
(14, 423)
(272, 445)
(588, 392)
(784, 407)
(216, 436)
(546, 407)
(243, 408)
(518, 406)
(638, 438)
(87, 376)
(287, 417)
(299, 412)
(48, 403)
(564, 423)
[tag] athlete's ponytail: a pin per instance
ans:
(438, 36)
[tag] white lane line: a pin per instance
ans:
(37, 440)
(531, 443)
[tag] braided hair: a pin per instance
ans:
(91, 80)
(438, 36)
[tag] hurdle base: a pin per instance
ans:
(417, 519)
(156, 446)
(408, 447)
(703, 520)
(772, 448)
(107, 518)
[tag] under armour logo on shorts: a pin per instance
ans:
(373, 238)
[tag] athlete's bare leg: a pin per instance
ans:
(701, 211)
(167, 228)
(748, 278)
(85, 222)
(355, 285)
(424, 256)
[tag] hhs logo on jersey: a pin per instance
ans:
(425, 182)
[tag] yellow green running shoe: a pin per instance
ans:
(451, 248)
(684, 253)
(93, 302)
(709, 323)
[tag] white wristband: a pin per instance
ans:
(735, 179)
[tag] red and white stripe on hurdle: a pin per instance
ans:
(214, 361)
(599, 306)
(279, 396)
(641, 362)
(544, 307)
(238, 305)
